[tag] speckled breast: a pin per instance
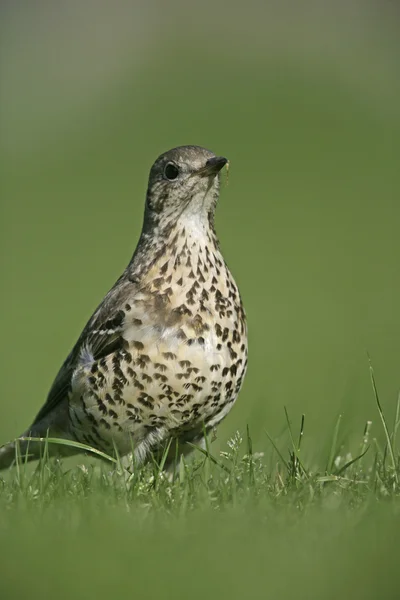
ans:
(184, 354)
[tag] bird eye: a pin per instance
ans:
(171, 171)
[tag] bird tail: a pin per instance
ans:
(19, 450)
(7, 455)
(24, 449)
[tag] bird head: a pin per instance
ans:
(183, 185)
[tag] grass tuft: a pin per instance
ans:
(238, 475)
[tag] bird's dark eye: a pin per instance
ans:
(171, 171)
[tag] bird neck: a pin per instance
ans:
(192, 235)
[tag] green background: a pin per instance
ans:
(305, 102)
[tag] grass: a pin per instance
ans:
(262, 523)
(236, 475)
(239, 474)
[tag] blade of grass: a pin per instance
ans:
(250, 454)
(18, 461)
(165, 455)
(295, 448)
(366, 433)
(351, 462)
(301, 433)
(72, 444)
(206, 453)
(332, 453)
(396, 423)
(290, 429)
(383, 419)
(206, 465)
(276, 449)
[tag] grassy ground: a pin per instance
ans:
(306, 105)
(240, 523)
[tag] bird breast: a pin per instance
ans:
(184, 352)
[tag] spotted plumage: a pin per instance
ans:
(165, 353)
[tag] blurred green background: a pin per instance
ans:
(304, 103)
(302, 97)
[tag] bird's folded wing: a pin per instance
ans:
(101, 337)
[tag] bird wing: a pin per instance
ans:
(101, 336)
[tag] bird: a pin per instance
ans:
(162, 359)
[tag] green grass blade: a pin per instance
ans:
(301, 433)
(332, 453)
(72, 444)
(351, 462)
(276, 449)
(250, 455)
(295, 448)
(290, 430)
(396, 423)
(206, 453)
(165, 455)
(383, 419)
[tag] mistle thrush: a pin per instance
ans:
(164, 355)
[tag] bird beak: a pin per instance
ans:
(213, 165)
